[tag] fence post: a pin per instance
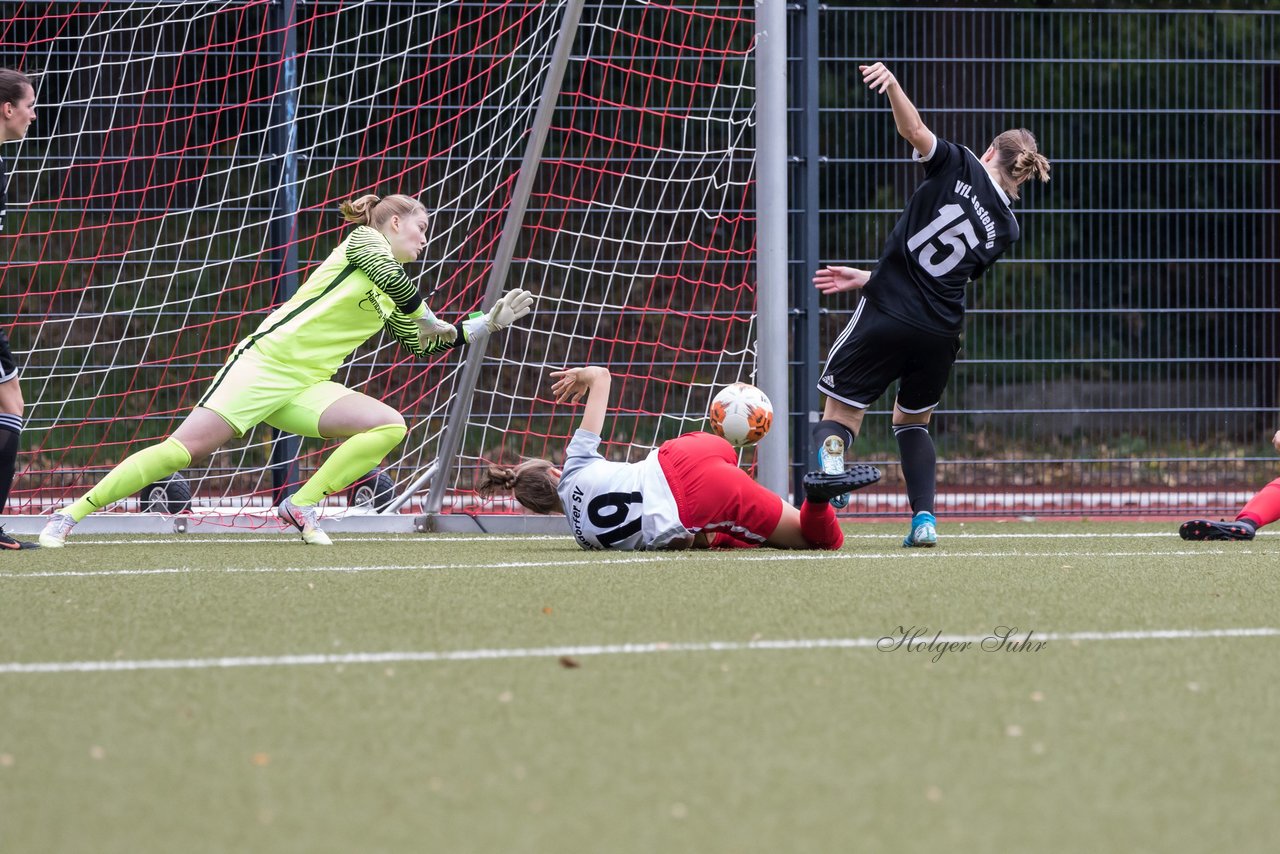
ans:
(807, 309)
(284, 216)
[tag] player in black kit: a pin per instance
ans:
(907, 325)
(17, 112)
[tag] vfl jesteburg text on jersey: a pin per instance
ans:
(955, 226)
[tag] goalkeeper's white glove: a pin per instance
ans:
(434, 332)
(512, 306)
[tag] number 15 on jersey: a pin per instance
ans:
(932, 241)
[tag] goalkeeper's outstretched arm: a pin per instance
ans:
(426, 335)
(412, 323)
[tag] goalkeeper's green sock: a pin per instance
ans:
(349, 462)
(134, 472)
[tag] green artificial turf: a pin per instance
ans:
(479, 694)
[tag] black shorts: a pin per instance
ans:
(876, 349)
(8, 367)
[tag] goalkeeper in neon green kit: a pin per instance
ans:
(281, 373)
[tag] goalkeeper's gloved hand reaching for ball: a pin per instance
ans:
(510, 307)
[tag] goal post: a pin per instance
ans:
(640, 241)
(461, 409)
(187, 165)
(771, 241)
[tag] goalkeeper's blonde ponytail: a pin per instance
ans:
(359, 210)
(375, 211)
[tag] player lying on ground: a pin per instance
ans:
(281, 373)
(907, 326)
(688, 493)
(1262, 509)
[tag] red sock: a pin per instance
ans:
(1263, 508)
(818, 525)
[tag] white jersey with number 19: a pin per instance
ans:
(625, 506)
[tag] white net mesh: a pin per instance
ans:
(184, 175)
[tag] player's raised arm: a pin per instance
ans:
(593, 381)
(381, 255)
(905, 115)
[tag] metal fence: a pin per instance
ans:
(1124, 356)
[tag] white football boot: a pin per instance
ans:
(54, 534)
(306, 520)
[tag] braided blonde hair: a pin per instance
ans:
(1018, 159)
(532, 482)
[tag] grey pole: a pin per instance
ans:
(284, 216)
(806, 298)
(461, 408)
(772, 346)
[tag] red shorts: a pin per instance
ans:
(712, 493)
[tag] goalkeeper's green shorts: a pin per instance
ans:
(253, 389)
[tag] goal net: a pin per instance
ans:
(183, 177)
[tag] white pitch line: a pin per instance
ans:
(428, 656)
(266, 570)
(669, 557)
(919, 554)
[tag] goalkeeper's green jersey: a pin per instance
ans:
(359, 290)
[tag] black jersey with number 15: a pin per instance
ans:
(956, 225)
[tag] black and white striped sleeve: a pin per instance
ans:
(405, 330)
(369, 251)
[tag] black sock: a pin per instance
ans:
(826, 428)
(919, 465)
(9, 440)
